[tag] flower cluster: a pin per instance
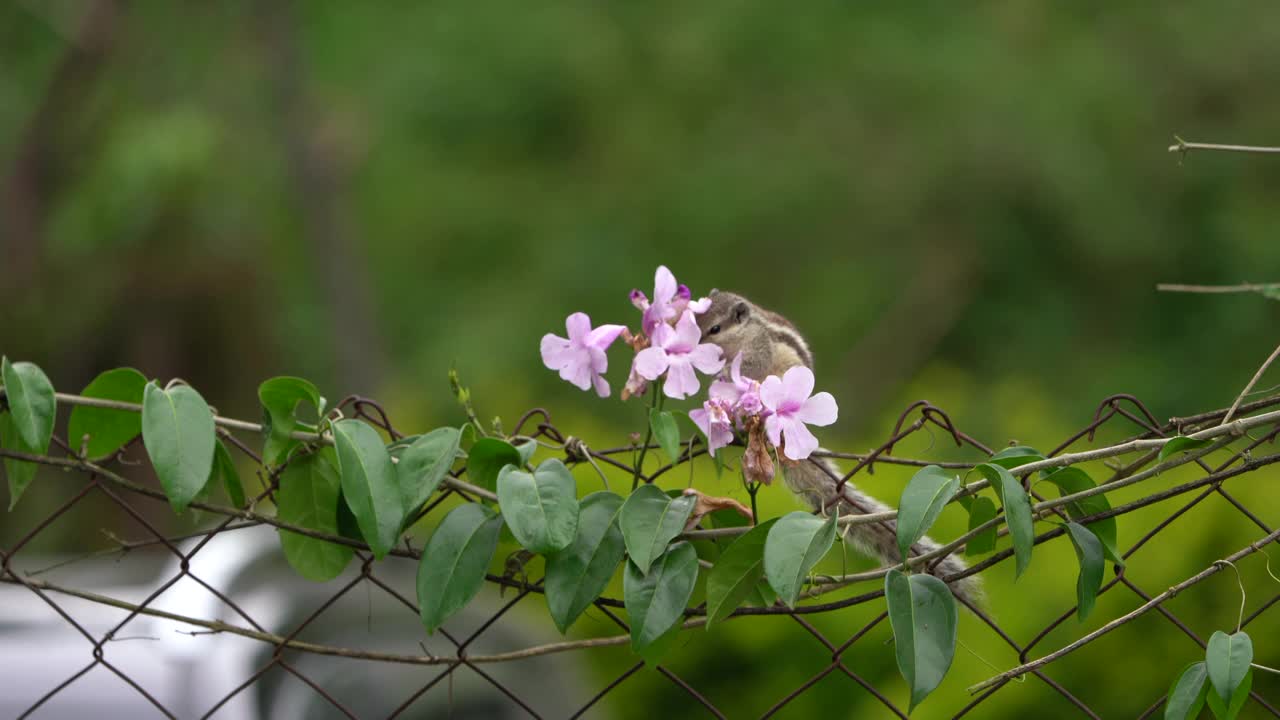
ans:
(777, 409)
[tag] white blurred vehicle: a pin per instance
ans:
(189, 674)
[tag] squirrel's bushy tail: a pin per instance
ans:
(817, 487)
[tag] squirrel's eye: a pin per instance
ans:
(714, 329)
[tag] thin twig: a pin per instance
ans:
(1256, 377)
(1217, 289)
(1208, 572)
(1183, 146)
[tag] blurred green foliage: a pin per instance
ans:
(969, 204)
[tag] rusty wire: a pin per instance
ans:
(105, 478)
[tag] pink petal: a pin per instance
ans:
(699, 416)
(723, 390)
(556, 351)
(700, 306)
(818, 410)
(800, 442)
(797, 384)
(578, 325)
(578, 372)
(771, 394)
(663, 335)
(664, 286)
(651, 362)
(603, 336)
(773, 428)
(708, 358)
(682, 381)
(602, 386)
(639, 300)
(687, 333)
(598, 361)
(735, 370)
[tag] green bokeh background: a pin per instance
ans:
(969, 204)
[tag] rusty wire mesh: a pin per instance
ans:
(108, 481)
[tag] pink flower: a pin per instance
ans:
(669, 301)
(581, 358)
(740, 392)
(792, 408)
(676, 352)
(714, 422)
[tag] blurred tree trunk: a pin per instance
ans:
(316, 165)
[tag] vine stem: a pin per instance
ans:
(654, 405)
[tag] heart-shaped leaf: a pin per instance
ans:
(31, 403)
(923, 615)
(1228, 658)
(280, 397)
(425, 463)
(1011, 457)
(1089, 552)
(1187, 696)
(455, 561)
(1017, 510)
(224, 471)
(981, 511)
(667, 433)
(487, 457)
(540, 508)
(650, 519)
(1072, 480)
(108, 429)
(369, 484)
(795, 543)
(656, 600)
(1231, 710)
(578, 574)
(19, 472)
(1179, 444)
(928, 491)
(308, 497)
(737, 573)
(178, 432)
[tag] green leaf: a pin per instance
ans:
(308, 497)
(369, 484)
(1011, 457)
(1230, 711)
(1187, 696)
(1071, 480)
(108, 430)
(737, 573)
(224, 470)
(923, 615)
(1179, 444)
(541, 508)
(794, 545)
(19, 472)
(1017, 510)
(31, 403)
(981, 510)
(526, 450)
(424, 465)
(928, 491)
(280, 397)
(666, 431)
(455, 561)
(486, 459)
(178, 432)
(1089, 552)
(578, 574)
(650, 519)
(1228, 658)
(656, 600)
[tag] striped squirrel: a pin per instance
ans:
(770, 344)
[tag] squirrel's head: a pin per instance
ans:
(727, 323)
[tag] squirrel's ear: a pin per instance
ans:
(740, 311)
